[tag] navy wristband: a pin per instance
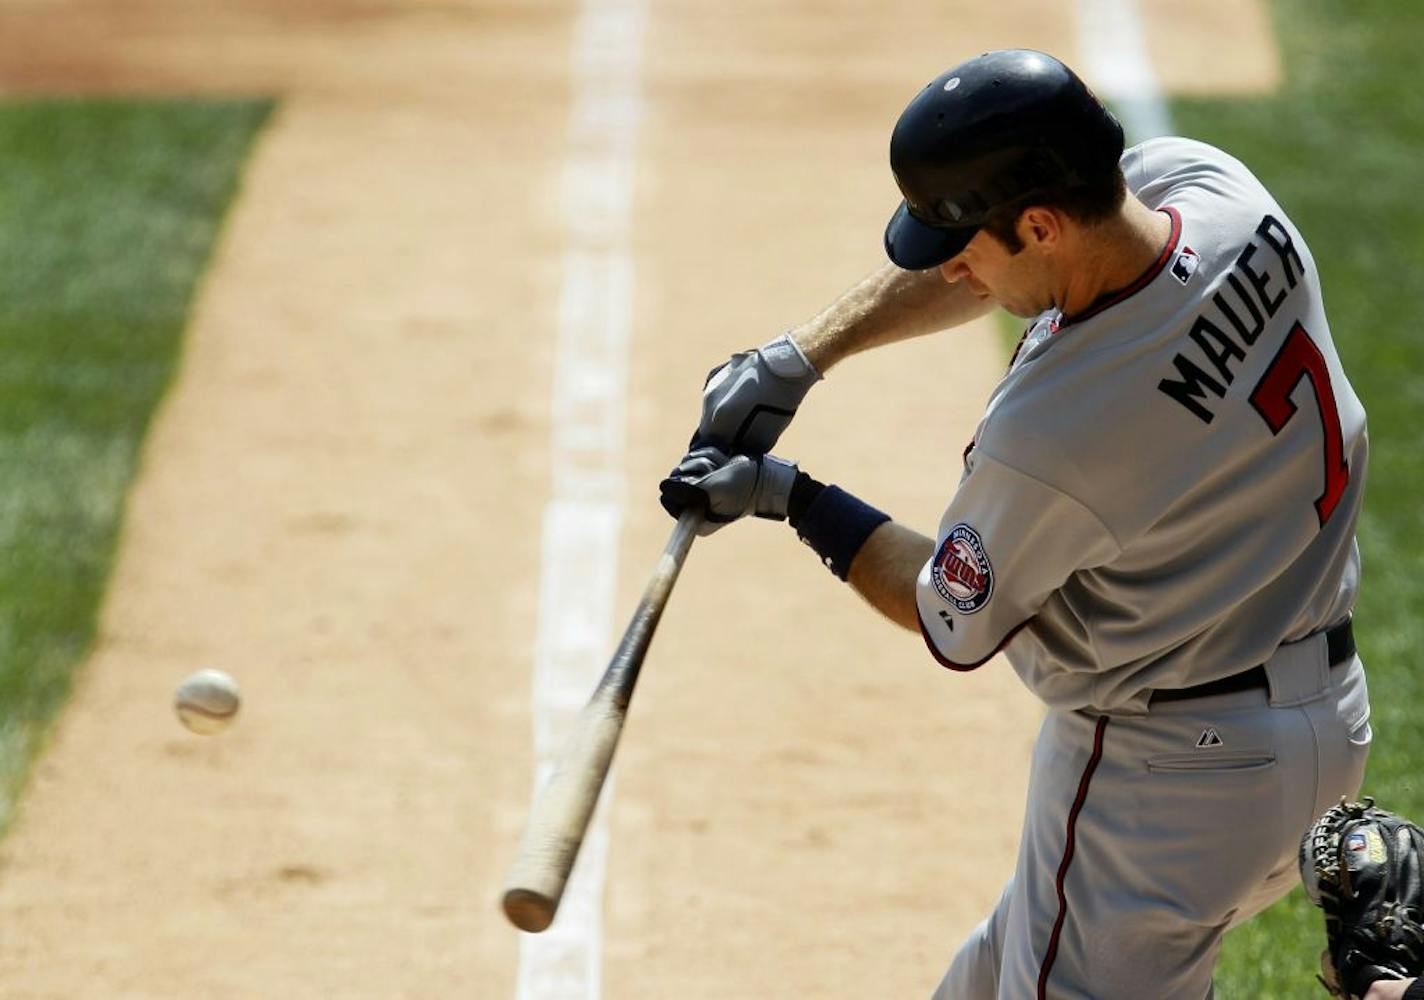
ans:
(1415, 991)
(804, 491)
(836, 525)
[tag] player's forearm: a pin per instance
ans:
(890, 305)
(880, 559)
(748, 401)
(885, 569)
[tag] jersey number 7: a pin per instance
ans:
(1299, 358)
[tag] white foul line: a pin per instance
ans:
(1112, 52)
(579, 558)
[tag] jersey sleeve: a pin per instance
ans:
(1005, 544)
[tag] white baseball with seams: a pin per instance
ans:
(207, 702)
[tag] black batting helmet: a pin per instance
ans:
(997, 129)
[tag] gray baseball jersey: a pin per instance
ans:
(1162, 493)
(1163, 488)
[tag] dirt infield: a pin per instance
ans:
(340, 504)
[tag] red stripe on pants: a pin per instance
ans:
(1052, 951)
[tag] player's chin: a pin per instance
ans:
(1020, 310)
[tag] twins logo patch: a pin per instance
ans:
(1186, 265)
(961, 572)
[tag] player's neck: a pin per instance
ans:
(1114, 254)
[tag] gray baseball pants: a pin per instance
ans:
(1145, 838)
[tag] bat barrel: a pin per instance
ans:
(563, 807)
(560, 816)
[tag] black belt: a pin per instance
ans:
(1339, 640)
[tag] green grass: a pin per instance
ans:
(1340, 146)
(108, 210)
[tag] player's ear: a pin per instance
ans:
(1040, 227)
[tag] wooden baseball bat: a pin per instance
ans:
(563, 807)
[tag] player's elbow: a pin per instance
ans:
(960, 649)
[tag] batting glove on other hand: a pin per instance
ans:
(727, 488)
(748, 401)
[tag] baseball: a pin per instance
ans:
(207, 702)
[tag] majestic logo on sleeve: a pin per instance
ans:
(961, 572)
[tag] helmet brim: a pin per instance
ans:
(915, 246)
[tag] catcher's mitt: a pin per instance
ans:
(1365, 868)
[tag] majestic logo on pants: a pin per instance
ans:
(961, 573)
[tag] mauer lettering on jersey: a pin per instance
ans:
(1256, 287)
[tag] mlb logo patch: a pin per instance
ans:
(1186, 265)
(1364, 848)
(961, 573)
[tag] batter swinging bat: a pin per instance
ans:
(565, 804)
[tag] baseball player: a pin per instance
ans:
(1155, 519)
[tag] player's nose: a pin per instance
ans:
(954, 269)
